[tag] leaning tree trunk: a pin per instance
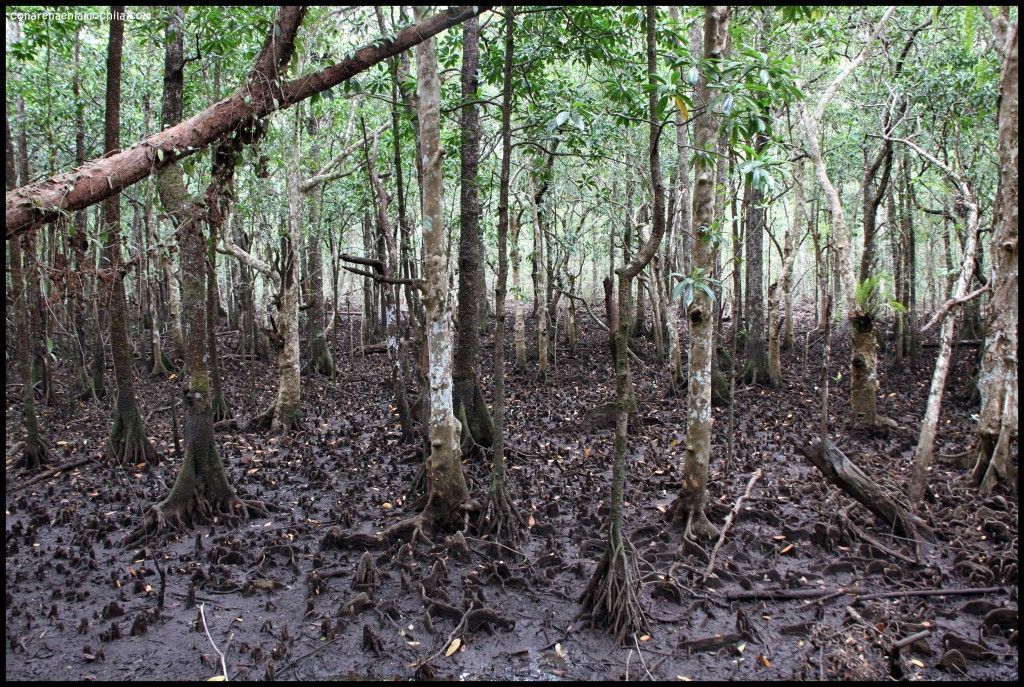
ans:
(689, 506)
(128, 443)
(468, 398)
(997, 383)
(924, 452)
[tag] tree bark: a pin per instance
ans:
(448, 496)
(689, 506)
(34, 453)
(997, 383)
(128, 443)
(468, 399)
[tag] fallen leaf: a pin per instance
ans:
(453, 647)
(558, 650)
(215, 678)
(788, 548)
(645, 638)
(386, 505)
(531, 522)
(917, 662)
(763, 660)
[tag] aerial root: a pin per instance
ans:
(610, 599)
(498, 518)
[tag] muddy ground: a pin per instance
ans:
(278, 604)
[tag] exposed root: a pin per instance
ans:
(409, 530)
(610, 599)
(128, 443)
(498, 518)
(168, 518)
(320, 360)
(162, 367)
(33, 456)
(695, 522)
(263, 420)
(221, 409)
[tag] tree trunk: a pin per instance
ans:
(286, 407)
(756, 215)
(689, 506)
(997, 383)
(128, 443)
(34, 453)
(499, 517)
(517, 295)
(779, 292)
(468, 399)
(448, 496)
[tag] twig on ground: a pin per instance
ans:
(728, 523)
(223, 664)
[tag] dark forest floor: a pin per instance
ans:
(80, 606)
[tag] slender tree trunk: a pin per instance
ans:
(689, 506)
(517, 295)
(468, 399)
(499, 517)
(610, 596)
(128, 442)
(779, 293)
(925, 450)
(34, 453)
(756, 214)
(448, 496)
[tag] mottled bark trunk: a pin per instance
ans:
(689, 506)
(286, 407)
(997, 383)
(756, 220)
(448, 496)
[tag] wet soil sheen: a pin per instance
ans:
(279, 604)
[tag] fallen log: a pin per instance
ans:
(839, 470)
(54, 471)
(949, 591)
(784, 594)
